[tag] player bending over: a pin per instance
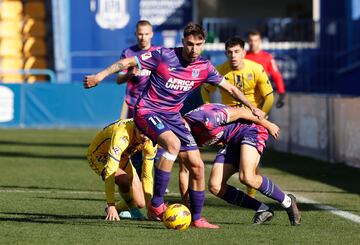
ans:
(243, 145)
(108, 155)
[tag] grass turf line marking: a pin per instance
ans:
(344, 214)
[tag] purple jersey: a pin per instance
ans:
(172, 78)
(136, 84)
(209, 126)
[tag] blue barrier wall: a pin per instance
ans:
(59, 105)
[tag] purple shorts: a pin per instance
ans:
(152, 124)
(251, 134)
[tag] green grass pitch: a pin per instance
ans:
(49, 195)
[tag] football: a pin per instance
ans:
(177, 217)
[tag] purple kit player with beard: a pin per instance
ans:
(243, 142)
(175, 73)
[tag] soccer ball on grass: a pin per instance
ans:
(177, 217)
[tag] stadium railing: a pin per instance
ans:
(50, 73)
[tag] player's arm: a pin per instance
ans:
(238, 95)
(265, 89)
(147, 177)
(109, 178)
(279, 82)
(122, 64)
(242, 113)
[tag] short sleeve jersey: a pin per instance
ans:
(173, 78)
(252, 80)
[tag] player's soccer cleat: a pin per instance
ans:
(156, 213)
(293, 212)
(203, 223)
(133, 213)
(263, 216)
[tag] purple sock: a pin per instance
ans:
(197, 199)
(269, 189)
(161, 181)
(236, 197)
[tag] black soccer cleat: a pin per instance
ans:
(293, 212)
(263, 216)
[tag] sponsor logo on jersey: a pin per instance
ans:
(195, 73)
(145, 72)
(249, 76)
(179, 84)
(146, 56)
(116, 150)
(215, 139)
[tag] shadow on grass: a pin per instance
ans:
(335, 174)
(47, 218)
(42, 156)
(97, 220)
(74, 199)
(15, 187)
(46, 144)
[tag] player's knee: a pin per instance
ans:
(247, 179)
(197, 171)
(214, 187)
(169, 143)
(169, 156)
(140, 203)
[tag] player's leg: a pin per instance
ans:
(184, 183)
(155, 126)
(249, 159)
(195, 165)
(226, 164)
(171, 145)
(135, 194)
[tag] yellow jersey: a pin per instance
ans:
(251, 80)
(111, 149)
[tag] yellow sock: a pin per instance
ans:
(128, 199)
(121, 206)
(251, 191)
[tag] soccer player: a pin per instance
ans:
(268, 62)
(108, 155)
(176, 72)
(248, 76)
(243, 144)
(135, 79)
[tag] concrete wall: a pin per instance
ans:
(323, 127)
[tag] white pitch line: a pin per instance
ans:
(344, 214)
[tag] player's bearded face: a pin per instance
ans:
(235, 56)
(144, 35)
(193, 46)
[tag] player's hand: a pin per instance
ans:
(112, 214)
(280, 101)
(91, 81)
(135, 71)
(274, 130)
(258, 113)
